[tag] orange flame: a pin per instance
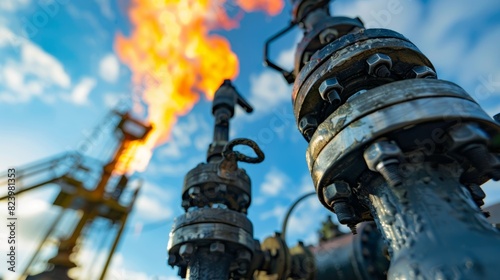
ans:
(175, 58)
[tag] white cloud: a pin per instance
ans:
(152, 209)
(268, 91)
(278, 212)
(112, 99)
(286, 58)
(13, 5)
(109, 68)
(154, 202)
(80, 93)
(41, 64)
(274, 183)
(35, 73)
(174, 169)
(189, 131)
(492, 189)
(201, 143)
(6, 37)
(120, 270)
(106, 9)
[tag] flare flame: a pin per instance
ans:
(175, 58)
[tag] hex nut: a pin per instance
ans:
(172, 260)
(376, 61)
(194, 192)
(217, 247)
(308, 125)
(328, 35)
(185, 204)
(379, 152)
(423, 72)
(186, 250)
(330, 90)
(336, 191)
(244, 255)
(465, 135)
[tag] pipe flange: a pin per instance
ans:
(310, 43)
(384, 96)
(205, 234)
(214, 215)
(342, 156)
(204, 187)
(346, 60)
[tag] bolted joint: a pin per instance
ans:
(477, 194)
(379, 152)
(330, 91)
(464, 135)
(480, 157)
(389, 169)
(383, 157)
(186, 250)
(185, 204)
(222, 189)
(243, 259)
(308, 126)
(172, 260)
(336, 192)
(345, 214)
(194, 192)
(379, 65)
(423, 72)
(217, 247)
(328, 35)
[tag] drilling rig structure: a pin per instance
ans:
(73, 173)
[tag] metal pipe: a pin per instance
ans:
(40, 246)
(361, 256)
(433, 228)
(351, 102)
(118, 235)
(290, 210)
(206, 265)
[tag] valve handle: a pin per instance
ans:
(229, 154)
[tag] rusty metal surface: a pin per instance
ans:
(345, 59)
(377, 99)
(361, 256)
(214, 215)
(346, 147)
(433, 228)
(210, 232)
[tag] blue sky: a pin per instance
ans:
(59, 78)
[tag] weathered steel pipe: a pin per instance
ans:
(360, 256)
(214, 238)
(389, 142)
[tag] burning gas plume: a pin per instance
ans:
(175, 58)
